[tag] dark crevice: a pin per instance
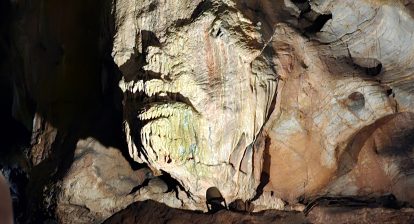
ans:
(219, 33)
(303, 6)
(137, 188)
(169, 97)
(374, 71)
(133, 66)
(173, 184)
(149, 39)
(214, 200)
(370, 71)
(264, 177)
(300, 1)
(318, 24)
(132, 69)
(202, 7)
(309, 20)
(369, 67)
(385, 201)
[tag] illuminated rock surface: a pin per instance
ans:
(294, 105)
(309, 97)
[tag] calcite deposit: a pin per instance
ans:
(294, 97)
(305, 106)
(194, 106)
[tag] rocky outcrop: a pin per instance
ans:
(329, 99)
(317, 117)
(195, 105)
(99, 183)
(274, 104)
(243, 95)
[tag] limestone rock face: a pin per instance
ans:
(319, 112)
(295, 99)
(343, 122)
(98, 184)
(374, 33)
(194, 106)
(278, 104)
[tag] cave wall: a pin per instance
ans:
(248, 95)
(274, 103)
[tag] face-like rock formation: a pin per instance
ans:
(200, 101)
(295, 97)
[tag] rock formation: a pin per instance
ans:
(195, 105)
(277, 104)
(218, 93)
(108, 179)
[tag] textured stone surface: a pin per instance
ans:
(318, 114)
(219, 94)
(379, 160)
(98, 184)
(274, 102)
(196, 104)
(374, 32)
(101, 182)
(339, 129)
(43, 137)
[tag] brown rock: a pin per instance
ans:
(153, 212)
(342, 215)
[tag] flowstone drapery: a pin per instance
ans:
(262, 98)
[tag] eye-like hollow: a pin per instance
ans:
(356, 101)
